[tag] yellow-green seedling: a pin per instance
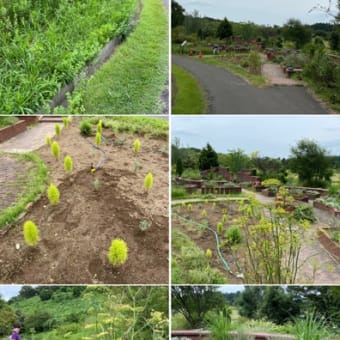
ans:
(136, 145)
(48, 140)
(100, 126)
(224, 218)
(224, 211)
(98, 138)
(118, 252)
(189, 207)
(53, 194)
(55, 149)
(66, 122)
(208, 254)
(96, 184)
(68, 164)
(214, 205)
(57, 130)
(31, 233)
(204, 213)
(219, 227)
(148, 181)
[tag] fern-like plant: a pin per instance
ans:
(53, 194)
(219, 227)
(136, 145)
(55, 149)
(204, 213)
(57, 130)
(118, 252)
(224, 218)
(98, 138)
(208, 254)
(31, 233)
(148, 181)
(48, 140)
(68, 164)
(100, 126)
(66, 122)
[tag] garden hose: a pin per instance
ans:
(223, 260)
(103, 160)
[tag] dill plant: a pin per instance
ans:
(98, 138)
(148, 181)
(53, 194)
(100, 126)
(208, 254)
(219, 227)
(55, 149)
(68, 163)
(48, 140)
(136, 145)
(66, 122)
(31, 233)
(118, 252)
(57, 130)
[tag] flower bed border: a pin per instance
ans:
(324, 207)
(8, 132)
(331, 246)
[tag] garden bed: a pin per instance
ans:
(324, 207)
(76, 234)
(221, 190)
(331, 246)
(13, 130)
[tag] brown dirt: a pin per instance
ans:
(77, 233)
(206, 240)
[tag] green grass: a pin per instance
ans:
(132, 81)
(189, 97)
(35, 186)
(189, 263)
(151, 127)
(255, 80)
(7, 121)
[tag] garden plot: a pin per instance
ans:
(96, 206)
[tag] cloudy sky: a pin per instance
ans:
(8, 291)
(271, 135)
(267, 12)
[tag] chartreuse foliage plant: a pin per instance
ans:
(100, 126)
(57, 130)
(219, 227)
(98, 138)
(31, 233)
(66, 122)
(148, 181)
(68, 163)
(118, 252)
(53, 194)
(208, 254)
(55, 149)
(204, 213)
(48, 140)
(136, 145)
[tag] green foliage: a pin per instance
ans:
(219, 227)
(304, 212)
(53, 194)
(85, 128)
(219, 324)
(224, 30)
(100, 126)
(294, 31)
(57, 130)
(233, 235)
(208, 158)
(255, 64)
(48, 140)
(136, 145)
(7, 121)
(144, 225)
(118, 252)
(148, 182)
(68, 163)
(271, 182)
(309, 328)
(98, 138)
(208, 254)
(236, 160)
(39, 321)
(177, 14)
(178, 193)
(179, 167)
(66, 122)
(31, 233)
(7, 318)
(55, 149)
(96, 184)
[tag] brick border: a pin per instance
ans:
(10, 131)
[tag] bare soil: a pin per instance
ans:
(75, 235)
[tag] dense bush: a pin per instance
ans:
(85, 128)
(39, 321)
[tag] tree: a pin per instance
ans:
(311, 163)
(294, 31)
(237, 160)
(193, 302)
(249, 301)
(177, 14)
(208, 158)
(179, 167)
(224, 30)
(27, 292)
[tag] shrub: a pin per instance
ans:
(68, 164)
(98, 138)
(57, 130)
(304, 212)
(118, 252)
(48, 140)
(178, 193)
(136, 145)
(100, 126)
(233, 235)
(31, 233)
(53, 194)
(55, 149)
(85, 128)
(148, 181)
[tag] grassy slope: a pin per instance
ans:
(35, 186)
(7, 121)
(133, 80)
(189, 96)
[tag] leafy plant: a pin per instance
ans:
(98, 138)
(224, 218)
(57, 130)
(136, 166)
(219, 227)
(66, 122)
(148, 181)
(85, 128)
(233, 235)
(208, 254)
(53, 194)
(48, 140)
(144, 225)
(189, 207)
(96, 184)
(31, 233)
(55, 149)
(204, 213)
(100, 126)
(68, 163)
(136, 145)
(118, 252)
(309, 328)
(219, 323)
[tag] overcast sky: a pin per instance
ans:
(267, 12)
(272, 135)
(8, 291)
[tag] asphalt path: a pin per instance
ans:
(230, 94)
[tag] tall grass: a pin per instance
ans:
(310, 328)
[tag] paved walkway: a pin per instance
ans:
(31, 139)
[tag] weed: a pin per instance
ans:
(144, 225)
(55, 150)
(31, 233)
(57, 130)
(48, 140)
(68, 164)
(148, 181)
(136, 145)
(53, 194)
(118, 252)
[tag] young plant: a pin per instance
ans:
(148, 181)
(208, 254)
(55, 149)
(48, 140)
(57, 130)
(53, 194)
(144, 225)
(66, 122)
(204, 213)
(100, 126)
(31, 233)
(136, 166)
(219, 227)
(118, 252)
(224, 218)
(214, 205)
(96, 184)
(136, 145)
(98, 138)
(85, 128)
(68, 164)
(189, 207)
